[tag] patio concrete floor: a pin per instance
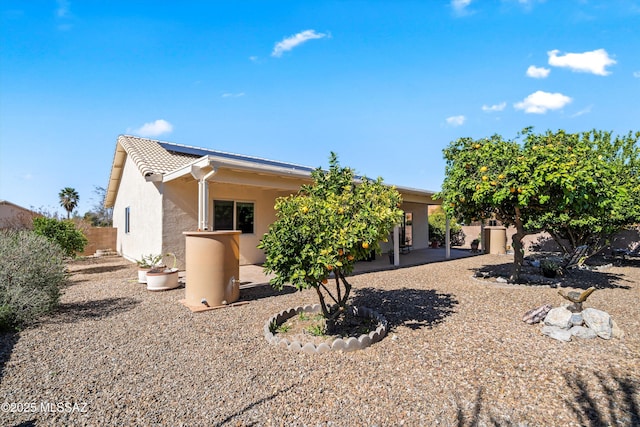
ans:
(253, 275)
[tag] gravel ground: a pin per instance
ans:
(457, 354)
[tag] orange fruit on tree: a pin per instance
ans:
(325, 281)
(329, 267)
(483, 169)
(485, 178)
(365, 245)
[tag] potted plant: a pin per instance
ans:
(163, 278)
(475, 243)
(549, 267)
(146, 263)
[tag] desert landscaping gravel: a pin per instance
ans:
(457, 353)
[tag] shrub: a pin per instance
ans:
(321, 232)
(437, 229)
(32, 270)
(64, 233)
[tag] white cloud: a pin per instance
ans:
(156, 128)
(594, 62)
(290, 42)
(456, 120)
(492, 108)
(583, 111)
(540, 102)
(232, 95)
(537, 72)
(63, 9)
(636, 74)
(460, 6)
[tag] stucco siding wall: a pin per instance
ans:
(180, 207)
(420, 224)
(145, 202)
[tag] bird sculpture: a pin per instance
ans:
(577, 298)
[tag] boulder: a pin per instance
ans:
(599, 321)
(616, 331)
(559, 316)
(576, 319)
(557, 333)
(537, 314)
(582, 332)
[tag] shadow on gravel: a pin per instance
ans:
(263, 291)
(576, 278)
(100, 269)
(96, 309)
(413, 308)
(250, 406)
(7, 341)
(602, 399)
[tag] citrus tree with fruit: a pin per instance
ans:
(569, 184)
(326, 227)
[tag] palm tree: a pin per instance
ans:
(69, 199)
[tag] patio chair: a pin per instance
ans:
(577, 258)
(628, 253)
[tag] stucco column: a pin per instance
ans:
(396, 245)
(447, 239)
(482, 242)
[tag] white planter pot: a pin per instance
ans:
(163, 281)
(142, 275)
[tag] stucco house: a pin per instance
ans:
(14, 216)
(160, 189)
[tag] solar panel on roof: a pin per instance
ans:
(183, 149)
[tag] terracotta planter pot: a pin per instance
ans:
(163, 280)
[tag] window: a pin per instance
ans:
(244, 217)
(127, 215)
(230, 215)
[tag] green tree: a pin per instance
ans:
(559, 182)
(326, 227)
(100, 216)
(69, 199)
(438, 229)
(613, 164)
(64, 233)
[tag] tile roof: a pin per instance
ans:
(151, 157)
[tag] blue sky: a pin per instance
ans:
(385, 84)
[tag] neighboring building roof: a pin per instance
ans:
(6, 202)
(171, 160)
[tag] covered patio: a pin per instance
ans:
(253, 275)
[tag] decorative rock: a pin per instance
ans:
(295, 346)
(582, 332)
(323, 348)
(537, 314)
(576, 319)
(502, 280)
(556, 333)
(352, 344)
(559, 316)
(599, 321)
(616, 332)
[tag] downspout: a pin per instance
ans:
(203, 196)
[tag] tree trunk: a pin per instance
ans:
(518, 248)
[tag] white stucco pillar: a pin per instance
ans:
(447, 238)
(396, 245)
